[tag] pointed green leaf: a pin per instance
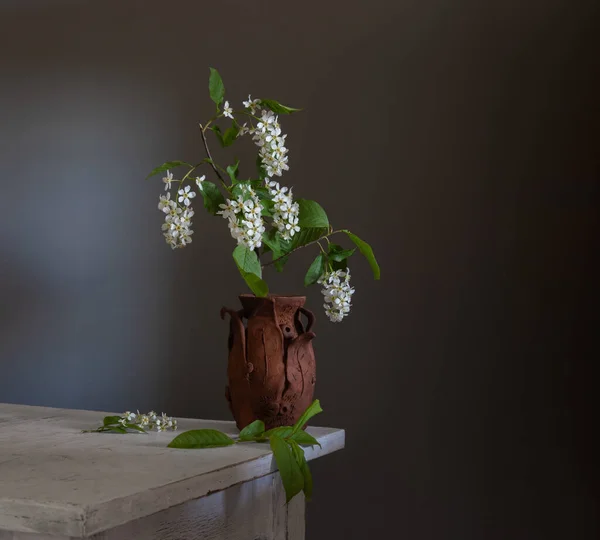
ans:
(277, 107)
(305, 439)
(311, 214)
(232, 171)
(289, 470)
(307, 235)
(217, 131)
(250, 270)
(366, 250)
(109, 420)
(216, 89)
(258, 286)
(166, 166)
(303, 464)
(313, 409)
(201, 438)
(315, 271)
(247, 260)
(253, 431)
(113, 429)
(338, 253)
(230, 135)
(283, 432)
(212, 197)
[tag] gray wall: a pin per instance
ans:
(460, 138)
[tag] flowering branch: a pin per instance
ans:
(260, 210)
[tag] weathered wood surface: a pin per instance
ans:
(58, 482)
(253, 510)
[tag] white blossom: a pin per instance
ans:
(272, 151)
(227, 110)
(167, 180)
(199, 180)
(177, 228)
(149, 421)
(185, 195)
(337, 293)
(285, 210)
(246, 224)
(164, 202)
(251, 104)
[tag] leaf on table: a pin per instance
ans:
(201, 438)
(289, 470)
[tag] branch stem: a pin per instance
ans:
(202, 129)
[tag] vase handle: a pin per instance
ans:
(310, 316)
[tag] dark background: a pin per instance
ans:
(459, 137)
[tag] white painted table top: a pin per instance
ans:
(56, 480)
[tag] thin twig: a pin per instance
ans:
(210, 157)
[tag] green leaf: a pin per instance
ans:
(339, 265)
(303, 464)
(253, 431)
(135, 428)
(166, 166)
(367, 251)
(277, 107)
(308, 235)
(283, 432)
(315, 270)
(216, 88)
(109, 420)
(201, 438)
(291, 475)
(247, 260)
(232, 171)
(258, 286)
(271, 239)
(212, 197)
(250, 270)
(230, 135)
(311, 214)
(267, 208)
(305, 439)
(112, 429)
(338, 253)
(313, 409)
(217, 131)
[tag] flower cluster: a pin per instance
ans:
(177, 228)
(337, 293)
(268, 137)
(285, 214)
(245, 218)
(149, 421)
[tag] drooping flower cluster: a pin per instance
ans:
(245, 218)
(177, 228)
(285, 210)
(337, 293)
(271, 142)
(149, 421)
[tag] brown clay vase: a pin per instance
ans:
(271, 369)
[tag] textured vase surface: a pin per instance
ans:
(271, 370)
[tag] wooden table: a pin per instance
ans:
(57, 483)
